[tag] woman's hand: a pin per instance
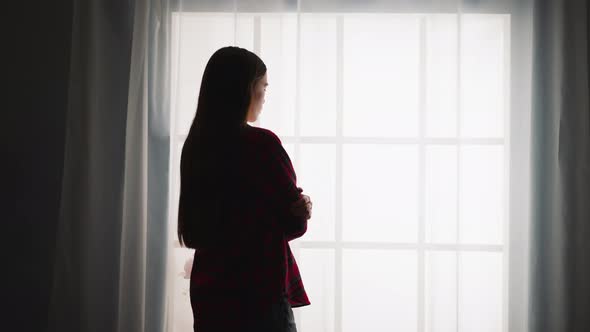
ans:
(302, 207)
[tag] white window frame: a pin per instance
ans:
(510, 262)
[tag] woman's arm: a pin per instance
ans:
(282, 189)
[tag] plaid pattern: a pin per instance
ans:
(236, 285)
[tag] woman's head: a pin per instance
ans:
(232, 89)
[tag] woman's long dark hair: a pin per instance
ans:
(206, 160)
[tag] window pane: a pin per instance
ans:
(441, 194)
(482, 75)
(245, 31)
(441, 75)
(481, 194)
(379, 290)
(279, 52)
(380, 192)
(380, 73)
(318, 75)
(480, 293)
(441, 291)
(317, 271)
(200, 36)
(316, 175)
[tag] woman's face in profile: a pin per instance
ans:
(257, 99)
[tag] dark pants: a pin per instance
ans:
(278, 319)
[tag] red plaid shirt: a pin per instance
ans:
(235, 286)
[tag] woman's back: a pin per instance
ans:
(249, 264)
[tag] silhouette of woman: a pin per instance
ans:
(239, 205)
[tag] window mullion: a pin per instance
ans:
(257, 45)
(297, 116)
(421, 180)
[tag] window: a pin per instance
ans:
(398, 127)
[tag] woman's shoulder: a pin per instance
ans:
(263, 135)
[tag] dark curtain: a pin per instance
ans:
(560, 239)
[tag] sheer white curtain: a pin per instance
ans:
(409, 125)
(111, 254)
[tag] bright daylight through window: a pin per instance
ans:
(401, 139)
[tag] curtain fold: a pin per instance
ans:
(560, 268)
(111, 256)
(145, 250)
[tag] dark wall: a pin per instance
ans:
(33, 133)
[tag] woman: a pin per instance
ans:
(239, 205)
